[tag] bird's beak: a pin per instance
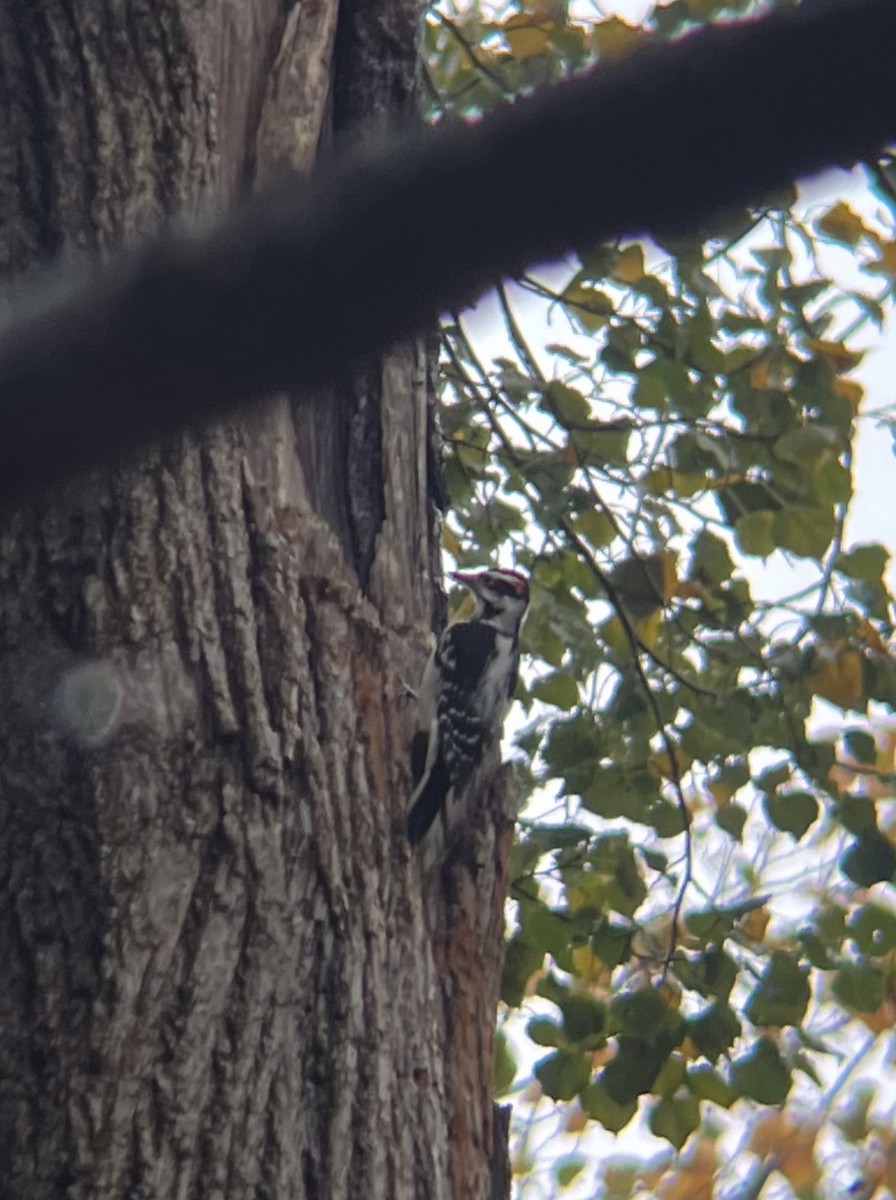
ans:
(467, 578)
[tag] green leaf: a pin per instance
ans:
(861, 746)
(559, 689)
(563, 1074)
(859, 986)
(583, 1016)
(731, 818)
(505, 1064)
(675, 1118)
(599, 1105)
(712, 973)
(870, 859)
(567, 1169)
(544, 928)
(761, 1075)
(596, 527)
(567, 403)
(714, 1031)
(521, 961)
(782, 994)
(707, 1084)
(866, 562)
(805, 531)
(873, 929)
(756, 533)
(805, 443)
(714, 924)
(611, 943)
(644, 1014)
(545, 1032)
(710, 559)
(791, 812)
(666, 818)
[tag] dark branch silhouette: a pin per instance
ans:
(307, 282)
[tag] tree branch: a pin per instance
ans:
(310, 280)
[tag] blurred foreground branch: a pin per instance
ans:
(304, 283)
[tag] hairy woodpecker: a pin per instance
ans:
(466, 690)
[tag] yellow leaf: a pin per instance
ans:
(574, 1119)
(840, 358)
(792, 1145)
(526, 35)
(758, 374)
(850, 390)
(754, 924)
(629, 266)
(588, 967)
(692, 1178)
(843, 224)
(865, 632)
(661, 764)
(590, 307)
(838, 677)
(886, 264)
(648, 629)
(450, 542)
(613, 38)
(720, 793)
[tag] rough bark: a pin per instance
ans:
(224, 975)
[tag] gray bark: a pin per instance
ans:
(224, 974)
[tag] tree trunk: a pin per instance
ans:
(224, 973)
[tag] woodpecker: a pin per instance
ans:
(465, 692)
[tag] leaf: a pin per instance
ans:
(590, 307)
(714, 1031)
(613, 38)
(567, 403)
(841, 358)
(838, 677)
(505, 1064)
(731, 818)
(525, 35)
(842, 224)
(584, 1018)
(873, 929)
(866, 562)
(805, 443)
(714, 924)
(675, 1118)
(781, 996)
(707, 1084)
(791, 812)
(596, 527)
(886, 264)
(611, 943)
(521, 961)
(756, 533)
(870, 859)
(805, 531)
(710, 558)
(861, 746)
(859, 986)
(597, 1103)
(564, 1074)
(559, 689)
(545, 1032)
(760, 1074)
(629, 265)
(567, 1169)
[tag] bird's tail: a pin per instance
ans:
(427, 800)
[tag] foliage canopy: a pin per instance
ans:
(703, 912)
